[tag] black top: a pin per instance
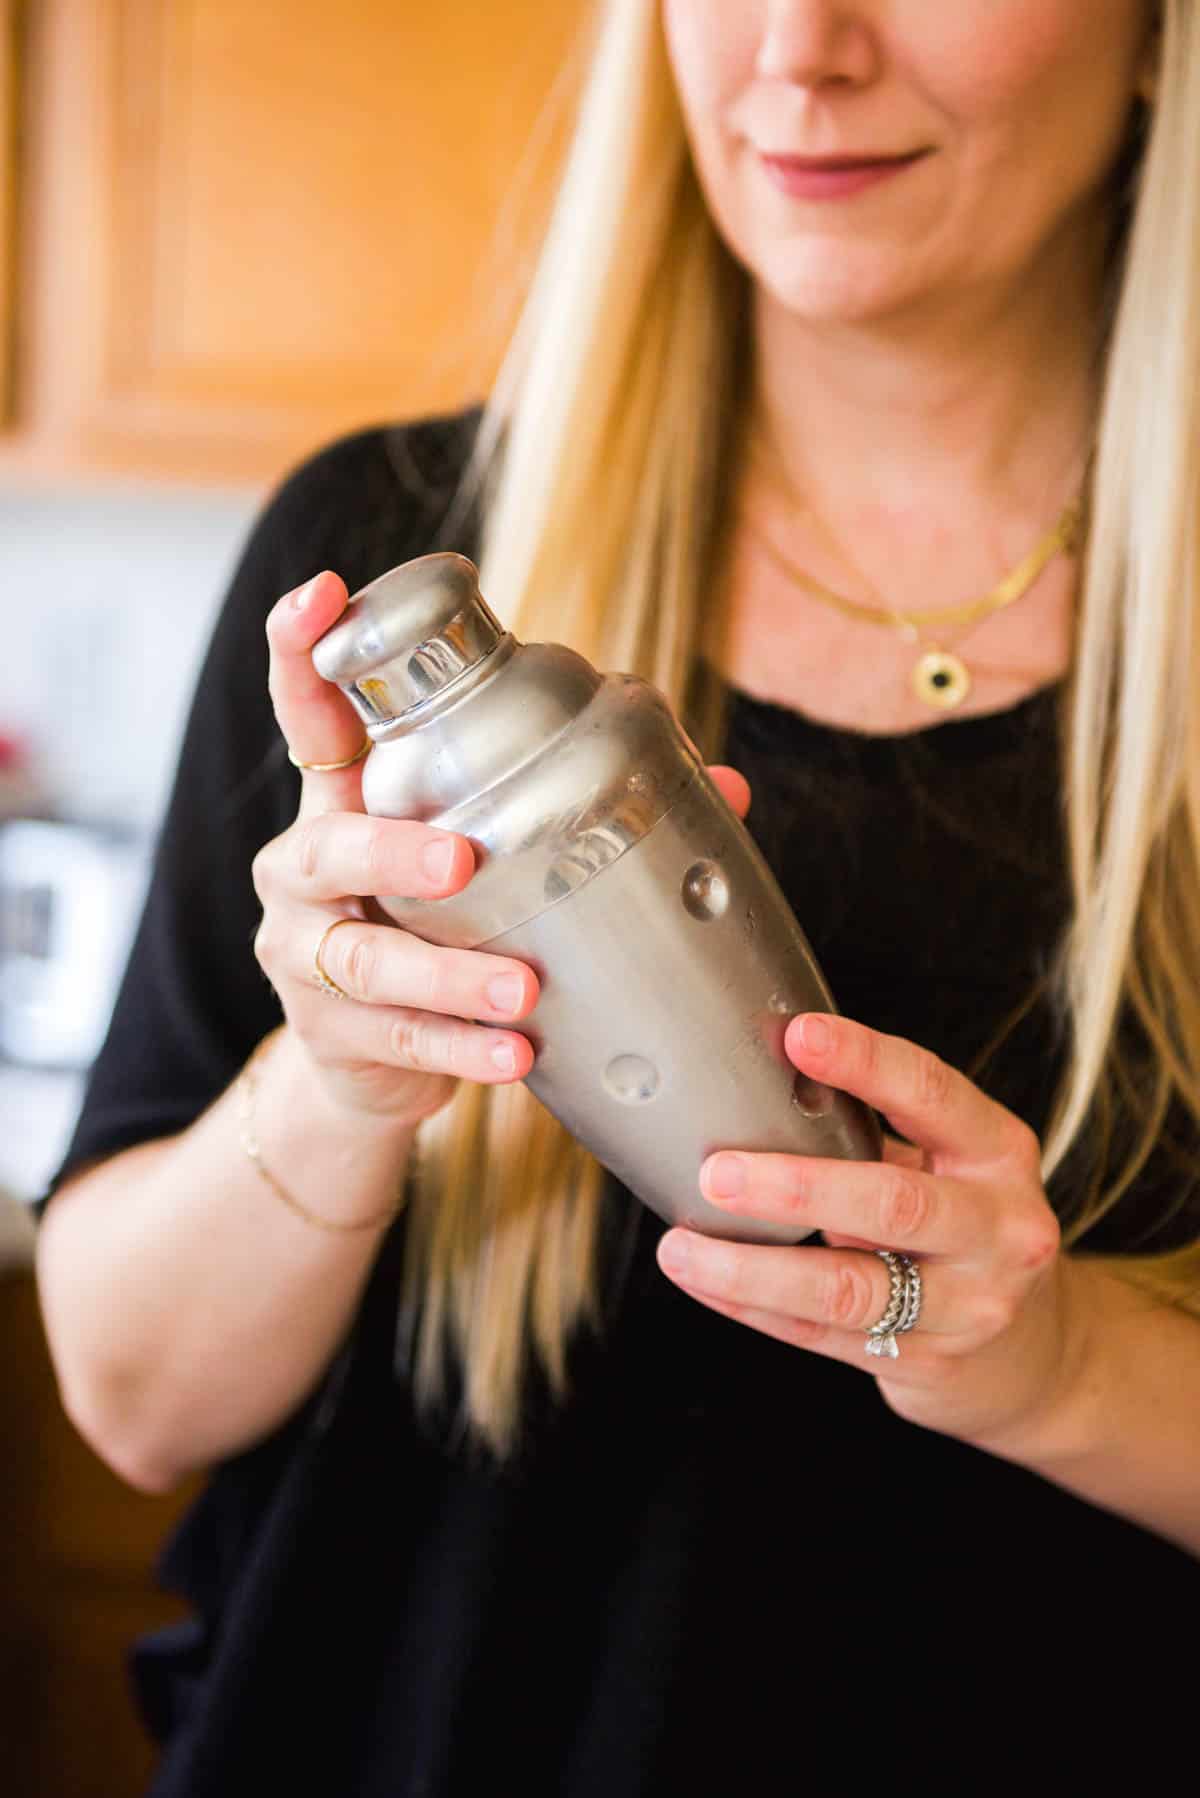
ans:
(725, 1566)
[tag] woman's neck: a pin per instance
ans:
(976, 417)
(928, 458)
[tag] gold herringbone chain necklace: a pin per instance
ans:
(939, 677)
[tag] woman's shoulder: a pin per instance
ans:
(418, 460)
(369, 497)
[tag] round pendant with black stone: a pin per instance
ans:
(941, 680)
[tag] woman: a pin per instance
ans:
(851, 315)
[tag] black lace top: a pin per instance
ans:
(725, 1566)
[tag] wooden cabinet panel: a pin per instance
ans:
(8, 175)
(256, 226)
(77, 1554)
(82, 1734)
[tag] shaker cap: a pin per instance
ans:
(408, 635)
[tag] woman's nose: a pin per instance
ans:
(814, 42)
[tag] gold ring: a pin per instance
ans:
(322, 978)
(331, 767)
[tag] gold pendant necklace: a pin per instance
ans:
(939, 677)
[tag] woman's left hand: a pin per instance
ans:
(995, 1341)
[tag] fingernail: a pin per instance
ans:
(302, 595)
(814, 1034)
(505, 991)
(437, 859)
(726, 1175)
(504, 1058)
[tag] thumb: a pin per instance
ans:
(317, 720)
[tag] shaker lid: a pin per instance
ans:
(407, 635)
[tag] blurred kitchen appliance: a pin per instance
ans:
(70, 898)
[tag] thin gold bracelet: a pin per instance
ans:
(245, 1087)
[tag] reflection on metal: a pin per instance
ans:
(632, 1079)
(705, 891)
(591, 849)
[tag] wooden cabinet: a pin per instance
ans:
(247, 228)
(8, 186)
(77, 1554)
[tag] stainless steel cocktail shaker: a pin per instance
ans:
(606, 859)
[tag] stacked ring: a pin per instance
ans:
(903, 1306)
(320, 977)
(912, 1296)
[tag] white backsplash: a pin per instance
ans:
(108, 597)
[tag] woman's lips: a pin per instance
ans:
(832, 178)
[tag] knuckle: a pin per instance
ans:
(992, 1313)
(1046, 1245)
(455, 1043)
(1036, 1240)
(934, 1080)
(272, 624)
(359, 962)
(795, 1191)
(410, 1042)
(847, 1298)
(378, 858)
(1027, 1148)
(432, 975)
(276, 678)
(260, 869)
(309, 848)
(904, 1206)
(904, 1402)
(264, 943)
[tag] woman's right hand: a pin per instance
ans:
(398, 1045)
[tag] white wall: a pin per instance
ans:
(107, 597)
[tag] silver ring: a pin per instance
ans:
(913, 1296)
(903, 1307)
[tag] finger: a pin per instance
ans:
(734, 787)
(926, 1099)
(841, 1288)
(327, 856)
(885, 1204)
(417, 1041)
(317, 720)
(900, 1154)
(380, 965)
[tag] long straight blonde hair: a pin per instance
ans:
(603, 460)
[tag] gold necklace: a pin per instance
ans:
(939, 678)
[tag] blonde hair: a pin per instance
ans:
(602, 458)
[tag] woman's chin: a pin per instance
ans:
(833, 291)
